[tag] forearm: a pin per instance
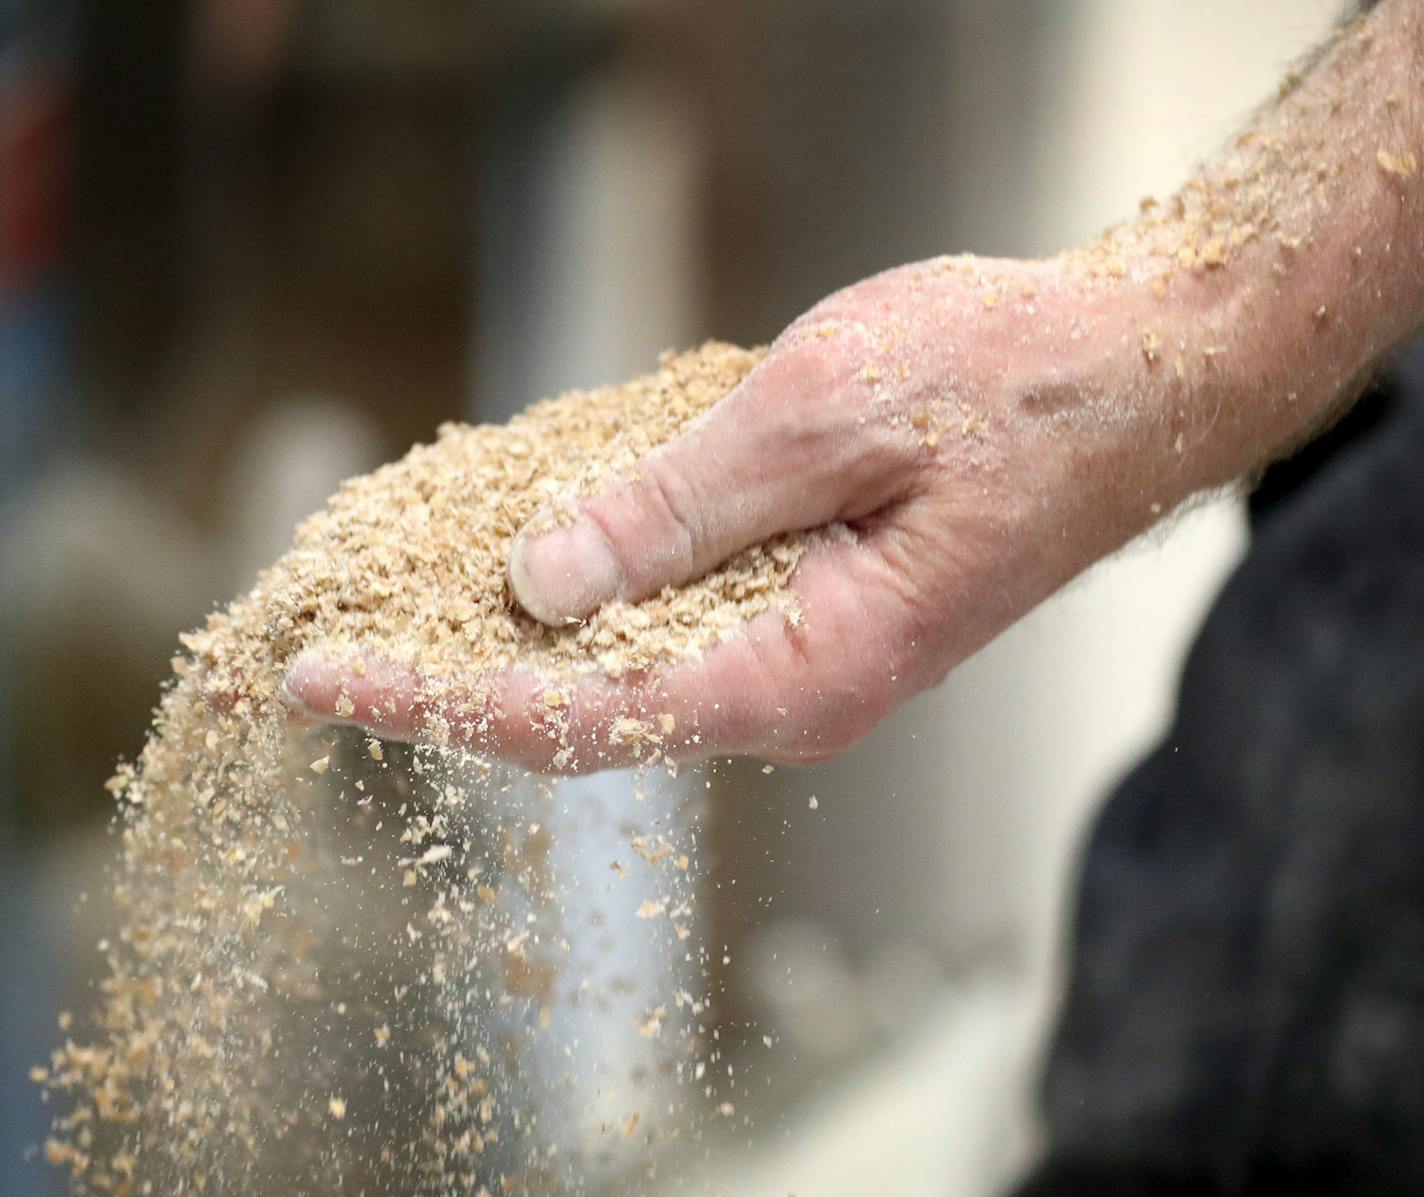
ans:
(1297, 257)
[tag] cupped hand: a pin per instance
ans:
(969, 434)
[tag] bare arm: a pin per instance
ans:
(1300, 250)
(980, 431)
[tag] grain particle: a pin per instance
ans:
(1404, 166)
(231, 988)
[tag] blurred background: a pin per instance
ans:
(250, 247)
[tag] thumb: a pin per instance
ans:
(777, 455)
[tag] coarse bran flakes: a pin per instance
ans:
(331, 946)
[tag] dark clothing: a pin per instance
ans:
(1246, 1006)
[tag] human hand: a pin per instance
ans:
(976, 432)
(971, 432)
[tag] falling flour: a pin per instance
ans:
(335, 951)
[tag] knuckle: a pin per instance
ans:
(822, 408)
(804, 403)
(677, 505)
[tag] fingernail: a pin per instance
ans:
(561, 575)
(299, 665)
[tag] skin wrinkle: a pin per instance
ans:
(923, 602)
(841, 706)
(675, 500)
(767, 681)
(687, 508)
(591, 514)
